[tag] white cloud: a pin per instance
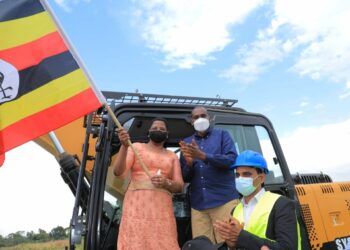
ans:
(315, 149)
(255, 60)
(299, 112)
(188, 32)
(33, 194)
(316, 31)
(345, 95)
(67, 4)
(303, 104)
(319, 106)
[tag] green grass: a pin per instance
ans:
(50, 245)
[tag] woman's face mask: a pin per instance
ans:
(245, 186)
(158, 136)
(201, 124)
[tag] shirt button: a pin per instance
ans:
(202, 177)
(201, 166)
(203, 188)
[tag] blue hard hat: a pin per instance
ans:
(251, 158)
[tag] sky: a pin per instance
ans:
(289, 60)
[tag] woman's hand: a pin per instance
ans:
(119, 163)
(159, 181)
(123, 137)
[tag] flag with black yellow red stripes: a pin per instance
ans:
(42, 86)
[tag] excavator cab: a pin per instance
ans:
(91, 149)
(91, 144)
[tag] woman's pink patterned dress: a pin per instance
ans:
(148, 221)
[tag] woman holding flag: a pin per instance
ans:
(148, 220)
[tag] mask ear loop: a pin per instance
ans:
(255, 179)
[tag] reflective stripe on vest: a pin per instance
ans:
(259, 217)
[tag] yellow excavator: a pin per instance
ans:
(85, 148)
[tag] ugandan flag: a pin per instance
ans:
(2, 159)
(42, 86)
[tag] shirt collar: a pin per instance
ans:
(260, 194)
(210, 129)
(256, 198)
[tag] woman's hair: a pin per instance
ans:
(160, 119)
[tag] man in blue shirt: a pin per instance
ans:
(206, 160)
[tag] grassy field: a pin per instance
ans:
(51, 245)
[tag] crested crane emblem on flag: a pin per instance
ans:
(9, 81)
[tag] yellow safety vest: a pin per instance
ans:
(259, 218)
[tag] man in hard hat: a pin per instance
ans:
(262, 220)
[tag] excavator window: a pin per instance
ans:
(257, 139)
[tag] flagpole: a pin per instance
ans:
(56, 142)
(143, 165)
(93, 86)
(75, 55)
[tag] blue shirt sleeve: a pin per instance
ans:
(228, 156)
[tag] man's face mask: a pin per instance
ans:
(244, 185)
(201, 124)
(158, 136)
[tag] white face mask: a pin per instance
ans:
(201, 124)
(245, 186)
